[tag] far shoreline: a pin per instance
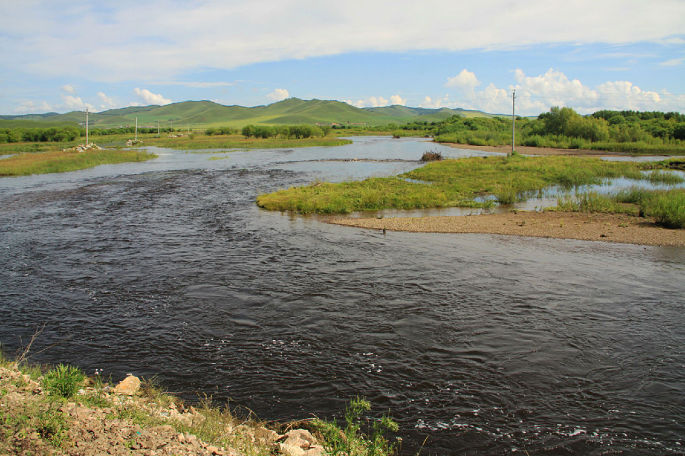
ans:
(617, 228)
(530, 150)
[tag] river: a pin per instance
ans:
(484, 344)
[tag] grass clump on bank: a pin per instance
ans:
(351, 440)
(62, 161)
(451, 183)
(667, 207)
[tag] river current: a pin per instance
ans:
(484, 344)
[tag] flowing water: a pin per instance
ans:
(484, 344)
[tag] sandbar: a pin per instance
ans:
(551, 224)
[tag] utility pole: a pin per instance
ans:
(86, 125)
(158, 128)
(513, 121)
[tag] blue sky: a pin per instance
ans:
(609, 54)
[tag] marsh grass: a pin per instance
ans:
(667, 207)
(453, 183)
(63, 161)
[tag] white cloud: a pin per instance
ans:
(673, 62)
(465, 79)
(75, 103)
(68, 88)
(52, 38)
(378, 101)
(30, 107)
(278, 95)
(441, 102)
(107, 102)
(151, 98)
(536, 94)
(398, 100)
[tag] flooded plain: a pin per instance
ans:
(484, 344)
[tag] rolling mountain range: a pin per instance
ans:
(207, 113)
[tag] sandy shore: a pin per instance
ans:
(527, 150)
(562, 225)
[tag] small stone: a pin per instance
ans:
(128, 386)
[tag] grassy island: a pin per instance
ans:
(479, 182)
(59, 161)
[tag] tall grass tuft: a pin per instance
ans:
(352, 440)
(63, 381)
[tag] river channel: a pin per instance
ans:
(483, 344)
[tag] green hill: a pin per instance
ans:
(208, 113)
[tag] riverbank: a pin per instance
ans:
(62, 413)
(529, 150)
(619, 228)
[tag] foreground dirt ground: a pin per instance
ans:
(562, 225)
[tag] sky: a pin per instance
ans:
(62, 56)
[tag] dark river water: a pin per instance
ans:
(484, 344)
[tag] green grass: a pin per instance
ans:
(62, 161)
(352, 439)
(202, 141)
(453, 183)
(63, 381)
(667, 207)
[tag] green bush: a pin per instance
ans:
(63, 381)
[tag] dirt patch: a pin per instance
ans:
(561, 225)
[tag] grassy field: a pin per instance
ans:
(202, 141)
(453, 183)
(58, 161)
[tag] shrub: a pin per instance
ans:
(63, 381)
(431, 155)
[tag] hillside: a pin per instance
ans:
(208, 113)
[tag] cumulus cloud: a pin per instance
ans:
(151, 98)
(31, 107)
(465, 79)
(440, 102)
(398, 100)
(107, 102)
(378, 101)
(53, 37)
(75, 103)
(278, 95)
(536, 94)
(68, 88)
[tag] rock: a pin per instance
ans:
(300, 442)
(266, 436)
(128, 386)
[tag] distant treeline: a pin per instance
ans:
(565, 128)
(58, 134)
(285, 131)
(64, 134)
